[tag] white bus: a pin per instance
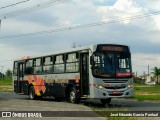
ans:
(101, 71)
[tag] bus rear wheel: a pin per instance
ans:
(32, 95)
(73, 96)
(105, 101)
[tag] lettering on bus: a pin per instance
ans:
(112, 48)
(123, 74)
(52, 80)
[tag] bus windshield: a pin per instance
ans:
(112, 64)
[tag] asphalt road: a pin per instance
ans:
(14, 102)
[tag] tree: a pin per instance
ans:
(9, 73)
(156, 72)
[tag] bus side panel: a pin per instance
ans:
(60, 83)
(15, 86)
(25, 87)
(49, 85)
(56, 90)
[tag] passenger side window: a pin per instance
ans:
(72, 62)
(47, 65)
(59, 64)
(29, 67)
(37, 66)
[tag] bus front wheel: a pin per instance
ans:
(73, 96)
(105, 101)
(32, 95)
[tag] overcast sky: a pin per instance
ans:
(142, 35)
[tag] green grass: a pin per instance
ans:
(6, 85)
(146, 92)
(5, 81)
(6, 89)
(138, 84)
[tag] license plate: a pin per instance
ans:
(116, 92)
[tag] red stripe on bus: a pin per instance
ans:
(35, 77)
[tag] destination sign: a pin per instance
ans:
(112, 48)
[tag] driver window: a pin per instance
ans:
(97, 60)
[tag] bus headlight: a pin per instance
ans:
(130, 85)
(98, 86)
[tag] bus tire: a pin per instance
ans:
(105, 101)
(32, 95)
(73, 96)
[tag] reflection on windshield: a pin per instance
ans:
(111, 64)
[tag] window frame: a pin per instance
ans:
(51, 64)
(15, 68)
(78, 62)
(35, 66)
(32, 68)
(54, 63)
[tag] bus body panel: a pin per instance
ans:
(87, 84)
(50, 84)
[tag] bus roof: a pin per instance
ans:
(60, 52)
(68, 51)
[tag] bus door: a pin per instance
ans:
(20, 77)
(84, 73)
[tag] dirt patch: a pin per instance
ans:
(6, 88)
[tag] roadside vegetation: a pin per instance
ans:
(156, 73)
(6, 82)
(146, 92)
(6, 85)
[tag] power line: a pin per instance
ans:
(14, 4)
(30, 9)
(81, 26)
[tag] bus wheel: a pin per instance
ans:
(73, 96)
(105, 101)
(32, 95)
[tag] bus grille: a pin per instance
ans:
(115, 81)
(121, 87)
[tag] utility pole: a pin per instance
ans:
(136, 74)
(148, 70)
(148, 66)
